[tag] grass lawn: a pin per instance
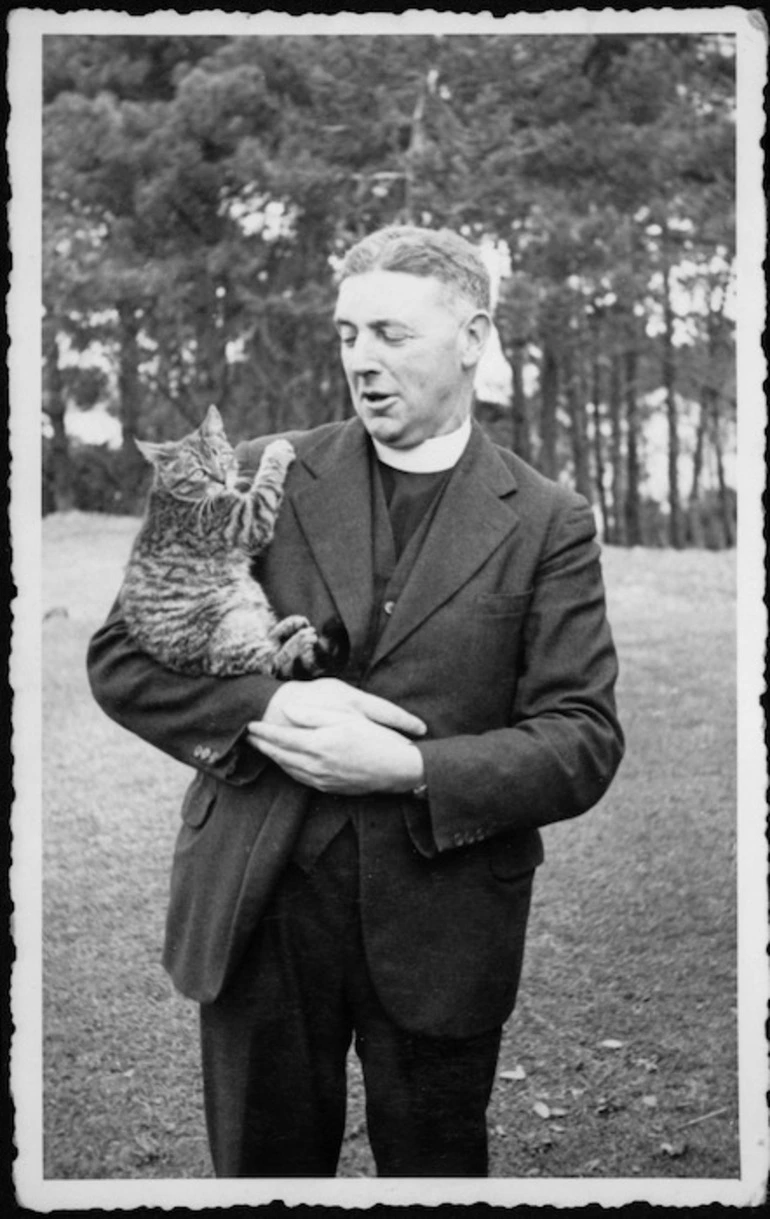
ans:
(620, 1059)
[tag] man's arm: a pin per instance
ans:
(197, 720)
(565, 743)
(203, 720)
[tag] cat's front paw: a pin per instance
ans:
(279, 453)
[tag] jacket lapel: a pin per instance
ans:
(333, 509)
(474, 517)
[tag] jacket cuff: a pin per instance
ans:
(448, 830)
(237, 764)
(233, 760)
(417, 815)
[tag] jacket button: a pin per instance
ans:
(388, 607)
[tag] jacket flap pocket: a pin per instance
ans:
(514, 856)
(199, 800)
(504, 605)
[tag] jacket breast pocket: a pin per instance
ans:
(199, 800)
(503, 605)
(498, 634)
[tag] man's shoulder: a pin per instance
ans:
(304, 441)
(531, 484)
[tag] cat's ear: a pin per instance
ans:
(212, 425)
(154, 453)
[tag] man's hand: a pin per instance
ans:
(336, 738)
(309, 704)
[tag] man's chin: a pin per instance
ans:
(387, 431)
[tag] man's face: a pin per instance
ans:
(408, 349)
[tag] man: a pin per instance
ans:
(357, 852)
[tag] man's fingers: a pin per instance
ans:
(283, 750)
(327, 700)
(274, 734)
(310, 716)
(381, 711)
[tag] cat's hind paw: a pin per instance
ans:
(296, 659)
(287, 627)
(306, 653)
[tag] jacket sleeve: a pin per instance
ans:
(564, 742)
(197, 720)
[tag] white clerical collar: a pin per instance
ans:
(436, 453)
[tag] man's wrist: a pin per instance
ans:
(273, 712)
(415, 778)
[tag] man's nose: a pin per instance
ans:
(362, 358)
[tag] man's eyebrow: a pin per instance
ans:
(375, 323)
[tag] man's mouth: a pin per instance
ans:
(375, 398)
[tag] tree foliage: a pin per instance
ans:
(197, 192)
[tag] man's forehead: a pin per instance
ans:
(389, 295)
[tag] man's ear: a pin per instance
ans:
(476, 332)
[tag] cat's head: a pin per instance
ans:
(196, 467)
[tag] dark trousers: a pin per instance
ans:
(275, 1047)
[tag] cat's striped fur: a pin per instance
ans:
(189, 597)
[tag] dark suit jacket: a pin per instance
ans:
(499, 643)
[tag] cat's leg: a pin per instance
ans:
(243, 642)
(249, 642)
(267, 490)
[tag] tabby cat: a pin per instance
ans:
(189, 597)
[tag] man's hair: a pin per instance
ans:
(439, 253)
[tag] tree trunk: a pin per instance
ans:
(596, 395)
(56, 404)
(134, 473)
(128, 373)
(711, 416)
(725, 507)
(520, 437)
(697, 459)
(578, 429)
(549, 388)
(414, 152)
(215, 373)
(213, 369)
(618, 533)
(633, 510)
(672, 414)
(695, 526)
